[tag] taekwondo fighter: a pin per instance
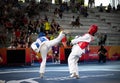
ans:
(80, 43)
(43, 45)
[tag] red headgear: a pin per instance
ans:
(93, 29)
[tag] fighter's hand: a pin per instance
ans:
(72, 42)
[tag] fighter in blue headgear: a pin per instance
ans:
(43, 45)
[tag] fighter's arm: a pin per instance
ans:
(85, 38)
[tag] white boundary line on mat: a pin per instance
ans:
(50, 70)
(32, 80)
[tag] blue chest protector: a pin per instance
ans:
(42, 39)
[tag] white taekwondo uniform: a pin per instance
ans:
(80, 43)
(43, 45)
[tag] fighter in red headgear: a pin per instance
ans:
(93, 29)
(80, 43)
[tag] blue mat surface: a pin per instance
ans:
(92, 72)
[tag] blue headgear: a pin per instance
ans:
(41, 34)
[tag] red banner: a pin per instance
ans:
(90, 55)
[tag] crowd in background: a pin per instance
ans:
(19, 22)
(23, 20)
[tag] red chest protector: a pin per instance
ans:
(83, 45)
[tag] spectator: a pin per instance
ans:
(69, 40)
(73, 20)
(91, 3)
(56, 12)
(102, 54)
(99, 39)
(42, 27)
(55, 27)
(60, 13)
(45, 18)
(118, 7)
(47, 27)
(77, 21)
(109, 8)
(8, 25)
(85, 13)
(104, 39)
(17, 33)
(30, 27)
(64, 41)
(55, 52)
(101, 8)
(11, 45)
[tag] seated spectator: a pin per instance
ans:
(101, 8)
(12, 45)
(85, 13)
(55, 27)
(104, 39)
(60, 13)
(17, 33)
(118, 7)
(114, 10)
(45, 18)
(47, 27)
(77, 22)
(109, 8)
(56, 12)
(73, 20)
(91, 3)
(8, 25)
(25, 20)
(3, 39)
